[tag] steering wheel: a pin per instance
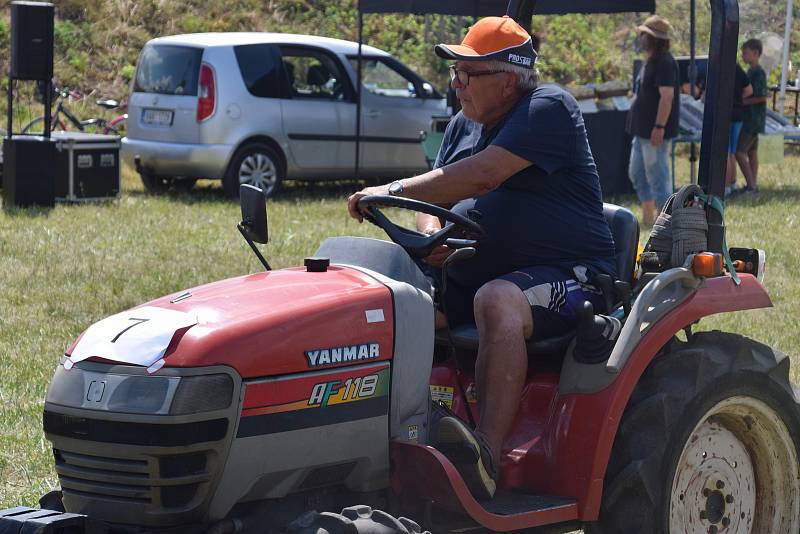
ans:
(417, 244)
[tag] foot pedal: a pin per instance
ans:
(24, 520)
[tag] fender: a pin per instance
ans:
(716, 295)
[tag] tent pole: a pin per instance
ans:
(358, 91)
(692, 78)
(787, 36)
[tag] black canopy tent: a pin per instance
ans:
(722, 56)
(522, 10)
(483, 8)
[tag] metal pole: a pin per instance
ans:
(692, 78)
(717, 112)
(787, 36)
(47, 105)
(10, 107)
(358, 91)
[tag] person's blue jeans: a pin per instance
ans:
(649, 171)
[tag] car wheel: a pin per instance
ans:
(709, 442)
(255, 164)
(154, 183)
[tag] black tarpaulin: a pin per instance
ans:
(482, 8)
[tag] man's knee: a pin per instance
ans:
(502, 303)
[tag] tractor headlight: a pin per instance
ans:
(204, 393)
(140, 394)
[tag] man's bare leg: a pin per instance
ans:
(753, 155)
(747, 170)
(504, 320)
(648, 212)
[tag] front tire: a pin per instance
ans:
(256, 164)
(353, 520)
(709, 442)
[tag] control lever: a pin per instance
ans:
(596, 335)
(624, 293)
(606, 286)
(460, 243)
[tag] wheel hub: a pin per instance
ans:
(731, 475)
(715, 482)
(258, 170)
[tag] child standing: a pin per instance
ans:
(754, 116)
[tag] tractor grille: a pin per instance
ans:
(172, 481)
(123, 432)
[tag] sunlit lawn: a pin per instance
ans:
(62, 269)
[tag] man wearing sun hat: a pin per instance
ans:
(516, 156)
(653, 118)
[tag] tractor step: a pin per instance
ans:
(513, 503)
(24, 520)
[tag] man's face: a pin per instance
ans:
(483, 95)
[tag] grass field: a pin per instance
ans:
(62, 269)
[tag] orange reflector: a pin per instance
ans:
(707, 264)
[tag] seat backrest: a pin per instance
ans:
(625, 231)
(317, 75)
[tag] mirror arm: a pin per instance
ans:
(253, 246)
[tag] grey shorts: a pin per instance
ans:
(553, 293)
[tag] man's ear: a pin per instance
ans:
(511, 83)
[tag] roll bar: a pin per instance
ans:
(719, 101)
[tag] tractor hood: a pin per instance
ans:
(281, 322)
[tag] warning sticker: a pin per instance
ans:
(442, 394)
(413, 433)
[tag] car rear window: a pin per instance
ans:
(168, 70)
(262, 70)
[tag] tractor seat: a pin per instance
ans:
(625, 232)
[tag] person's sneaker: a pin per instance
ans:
(470, 454)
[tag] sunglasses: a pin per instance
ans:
(463, 76)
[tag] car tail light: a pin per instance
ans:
(206, 95)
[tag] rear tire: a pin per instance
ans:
(37, 126)
(353, 520)
(256, 164)
(709, 442)
(155, 184)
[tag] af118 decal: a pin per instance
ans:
(315, 399)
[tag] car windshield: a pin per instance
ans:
(168, 70)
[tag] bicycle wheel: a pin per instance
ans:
(36, 126)
(117, 125)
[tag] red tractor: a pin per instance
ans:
(300, 400)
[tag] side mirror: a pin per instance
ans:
(254, 214)
(427, 90)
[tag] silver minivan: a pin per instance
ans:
(259, 108)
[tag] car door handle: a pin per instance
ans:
(373, 114)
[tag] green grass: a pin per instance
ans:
(64, 268)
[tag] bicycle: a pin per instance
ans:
(62, 117)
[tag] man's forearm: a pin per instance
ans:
(753, 100)
(466, 178)
(664, 109)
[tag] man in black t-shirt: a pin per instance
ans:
(653, 118)
(517, 153)
(741, 89)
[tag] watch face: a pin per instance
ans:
(395, 188)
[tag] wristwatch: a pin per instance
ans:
(659, 126)
(396, 188)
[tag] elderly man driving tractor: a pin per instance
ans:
(515, 159)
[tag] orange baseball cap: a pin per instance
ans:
(493, 38)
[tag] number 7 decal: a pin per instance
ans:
(139, 321)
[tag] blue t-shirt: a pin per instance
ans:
(550, 213)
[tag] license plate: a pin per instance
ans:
(157, 117)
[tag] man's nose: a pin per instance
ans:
(456, 84)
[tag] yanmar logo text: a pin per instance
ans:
(519, 60)
(348, 353)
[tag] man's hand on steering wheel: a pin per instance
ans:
(459, 233)
(352, 201)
